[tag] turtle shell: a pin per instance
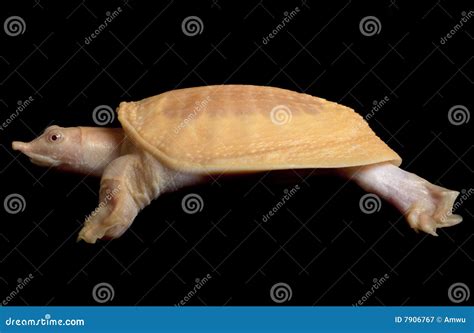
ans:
(239, 128)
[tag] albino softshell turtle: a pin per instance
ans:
(180, 137)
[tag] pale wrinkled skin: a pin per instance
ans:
(85, 150)
(426, 206)
(132, 178)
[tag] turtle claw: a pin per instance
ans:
(435, 212)
(451, 220)
(90, 233)
(108, 228)
(422, 222)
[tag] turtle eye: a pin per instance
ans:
(55, 137)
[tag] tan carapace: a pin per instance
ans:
(251, 128)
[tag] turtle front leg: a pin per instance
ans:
(126, 187)
(426, 206)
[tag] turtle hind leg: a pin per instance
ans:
(125, 188)
(426, 206)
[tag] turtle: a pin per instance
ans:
(181, 137)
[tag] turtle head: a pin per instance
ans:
(86, 150)
(56, 147)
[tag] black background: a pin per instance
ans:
(320, 243)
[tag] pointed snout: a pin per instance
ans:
(21, 146)
(37, 153)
